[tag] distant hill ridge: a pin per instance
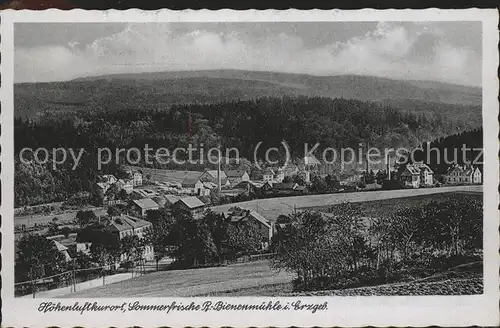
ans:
(359, 87)
(160, 90)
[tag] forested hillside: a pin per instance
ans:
(461, 148)
(242, 124)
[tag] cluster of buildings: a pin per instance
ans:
(420, 175)
(118, 227)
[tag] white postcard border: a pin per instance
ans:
(479, 310)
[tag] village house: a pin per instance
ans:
(126, 225)
(417, 175)
(279, 175)
(62, 249)
(236, 176)
(191, 204)
(268, 175)
(126, 185)
(290, 170)
(211, 176)
(171, 200)
(249, 187)
(137, 179)
(195, 187)
(463, 174)
(69, 246)
(237, 215)
(309, 163)
(103, 185)
(266, 189)
(108, 179)
(287, 188)
(141, 206)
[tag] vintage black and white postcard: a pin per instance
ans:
(250, 168)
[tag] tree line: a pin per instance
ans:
(342, 248)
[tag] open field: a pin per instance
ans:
(163, 175)
(192, 282)
(271, 208)
(30, 220)
(462, 280)
(389, 206)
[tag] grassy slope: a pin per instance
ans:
(192, 282)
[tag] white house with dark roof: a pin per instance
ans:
(463, 174)
(417, 175)
(194, 186)
(126, 225)
(268, 175)
(236, 176)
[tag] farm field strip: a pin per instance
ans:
(271, 208)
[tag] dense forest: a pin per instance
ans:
(336, 123)
(461, 148)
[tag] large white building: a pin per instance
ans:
(417, 175)
(463, 174)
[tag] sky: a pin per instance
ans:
(439, 51)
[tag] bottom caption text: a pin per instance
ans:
(205, 306)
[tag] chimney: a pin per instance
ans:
(218, 173)
(388, 169)
(367, 159)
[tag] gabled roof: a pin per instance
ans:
(237, 214)
(71, 240)
(146, 203)
(126, 222)
(417, 168)
(190, 182)
(192, 202)
(310, 160)
(60, 247)
(171, 199)
(210, 185)
(463, 169)
(260, 218)
(235, 173)
(412, 170)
